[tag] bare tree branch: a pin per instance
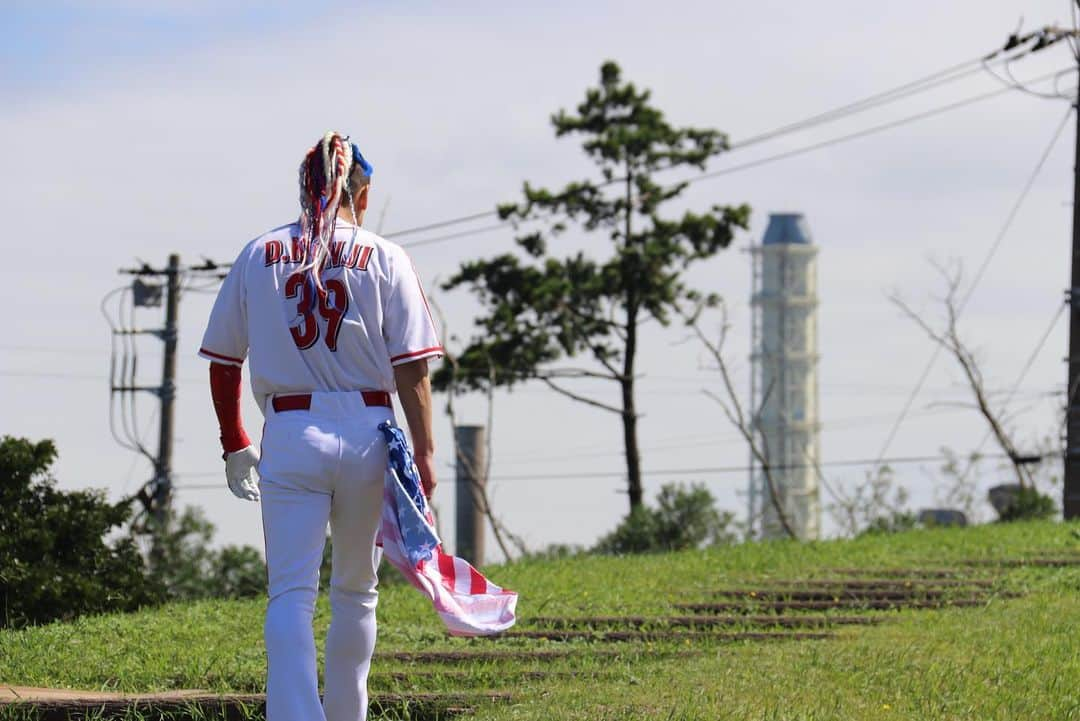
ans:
(732, 408)
(949, 339)
(570, 394)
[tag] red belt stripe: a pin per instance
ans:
(302, 401)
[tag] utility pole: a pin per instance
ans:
(156, 495)
(167, 393)
(1071, 492)
(468, 506)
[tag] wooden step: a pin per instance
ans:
(661, 622)
(652, 636)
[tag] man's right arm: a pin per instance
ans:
(414, 392)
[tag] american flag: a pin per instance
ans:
(468, 603)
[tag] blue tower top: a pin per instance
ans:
(787, 228)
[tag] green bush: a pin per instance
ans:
(54, 560)
(684, 518)
(1029, 505)
(892, 522)
(554, 552)
(188, 568)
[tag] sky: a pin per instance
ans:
(132, 130)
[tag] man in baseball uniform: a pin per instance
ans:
(334, 320)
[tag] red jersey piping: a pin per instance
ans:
(221, 356)
(413, 354)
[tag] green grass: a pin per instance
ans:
(1015, 658)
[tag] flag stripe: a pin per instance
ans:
(446, 568)
(479, 583)
(462, 583)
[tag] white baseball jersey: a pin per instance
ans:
(372, 316)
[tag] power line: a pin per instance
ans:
(786, 154)
(59, 375)
(1028, 185)
(441, 224)
(451, 236)
(860, 133)
(832, 428)
(928, 82)
(901, 460)
(70, 350)
(1035, 353)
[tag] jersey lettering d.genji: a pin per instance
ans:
(372, 314)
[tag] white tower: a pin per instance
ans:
(784, 385)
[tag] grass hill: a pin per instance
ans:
(975, 623)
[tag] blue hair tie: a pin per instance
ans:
(358, 158)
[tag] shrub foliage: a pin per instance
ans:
(55, 561)
(61, 555)
(684, 517)
(1029, 505)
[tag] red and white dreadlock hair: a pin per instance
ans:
(324, 184)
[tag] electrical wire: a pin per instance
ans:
(858, 134)
(51, 375)
(104, 303)
(923, 84)
(60, 375)
(1047, 37)
(1012, 82)
(129, 360)
(706, 470)
(441, 224)
(135, 458)
(830, 427)
(452, 236)
(1014, 211)
(1035, 353)
(72, 350)
(128, 375)
(188, 285)
(971, 100)
(121, 291)
(812, 120)
(136, 436)
(120, 383)
(568, 454)
(929, 82)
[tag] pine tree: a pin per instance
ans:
(541, 310)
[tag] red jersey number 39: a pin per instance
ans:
(332, 304)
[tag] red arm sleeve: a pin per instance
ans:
(225, 392)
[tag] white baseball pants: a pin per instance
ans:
(319, 466)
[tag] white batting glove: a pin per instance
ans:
(241, 473)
